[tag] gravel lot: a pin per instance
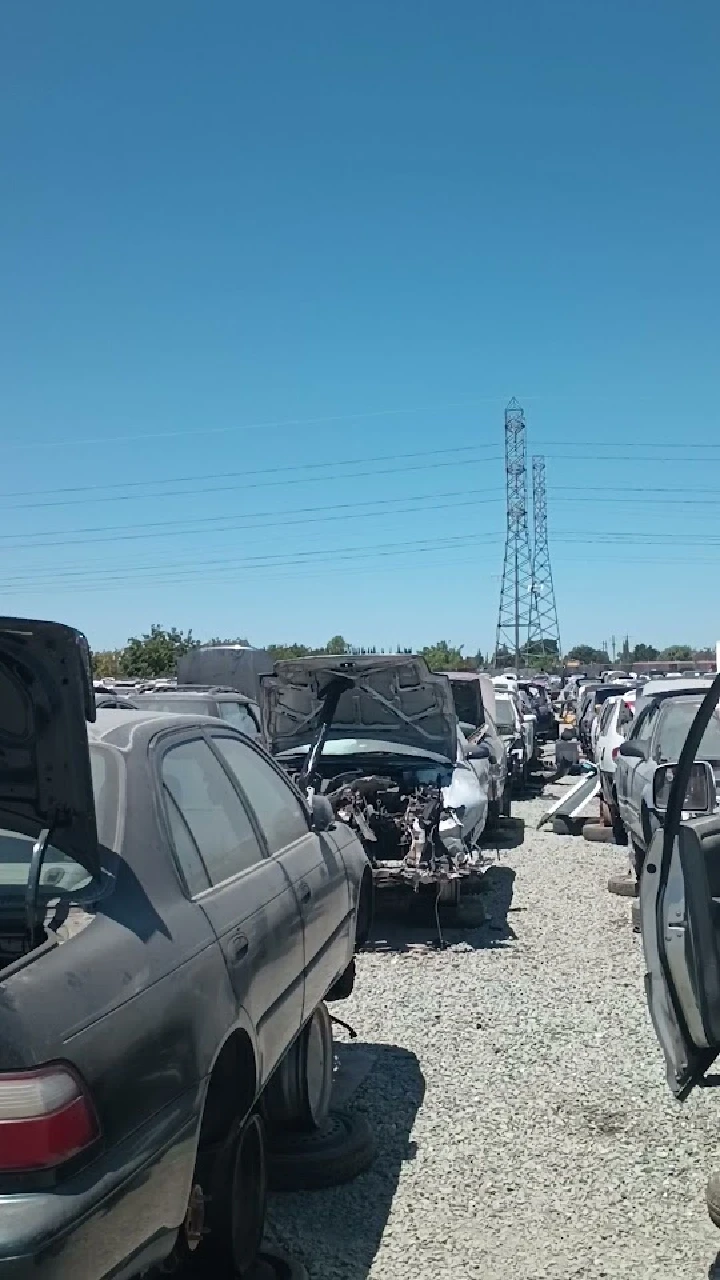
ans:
(516, 1088)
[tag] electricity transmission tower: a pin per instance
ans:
(543, 631)
(515, 592)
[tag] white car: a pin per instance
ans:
(612, 727)
(379, 737)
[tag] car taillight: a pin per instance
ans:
(45, 1118)
(615, 752)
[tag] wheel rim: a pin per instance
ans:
(318, 1066)
(249, 1195)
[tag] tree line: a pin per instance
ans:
(587, 653)
(155, 653)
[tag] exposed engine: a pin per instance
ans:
(407, 832)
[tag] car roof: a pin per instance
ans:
(118, 728)
(663, 687)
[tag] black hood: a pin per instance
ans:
(46, 698)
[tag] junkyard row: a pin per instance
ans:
(192, 867)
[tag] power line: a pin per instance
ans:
(239, 524)
(262, 471)
(237, 488)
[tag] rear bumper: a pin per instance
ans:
(115, 1218)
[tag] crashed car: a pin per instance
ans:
(378, 736)
(474, 697)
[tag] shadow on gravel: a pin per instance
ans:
(338, 1232)
(405, 923)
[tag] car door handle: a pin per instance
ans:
(305, 891)
(239, 946)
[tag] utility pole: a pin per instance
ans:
(543, 631)
(613, 649)
(515, 592)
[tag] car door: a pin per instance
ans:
(244, 893)
(310, 860)
(679, 887)
(631, 771)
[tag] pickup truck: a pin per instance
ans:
(173, 917)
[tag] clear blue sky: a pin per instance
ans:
(236, 237)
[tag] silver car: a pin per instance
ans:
(663, 715)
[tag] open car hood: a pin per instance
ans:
(46, 697)
(390, 699)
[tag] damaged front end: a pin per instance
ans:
(378, 737)
(410, 834)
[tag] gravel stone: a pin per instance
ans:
(524, 1126)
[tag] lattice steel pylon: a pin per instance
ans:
(515, 593)
(543, 631)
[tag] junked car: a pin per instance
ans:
(613, 726)
(173, 916)
(378, 736)
(663, 715)
(474, 698)
(205, 700)
(679, 892)
(510, 728)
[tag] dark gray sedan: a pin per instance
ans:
(173, 916)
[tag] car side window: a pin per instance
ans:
(276, 807)
(200, 796)
(643, 730)
(237, 714)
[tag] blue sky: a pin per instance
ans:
(271, 273)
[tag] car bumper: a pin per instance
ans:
(116, 1217)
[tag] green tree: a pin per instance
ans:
(444, 657)
(587, 653)
(337, 646)
(678, 653)
(156, 653)
(108, 662)
(235, 640)
(281, 652)
(643, 653)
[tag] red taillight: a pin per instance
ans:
(45, 1118)
(615, 752)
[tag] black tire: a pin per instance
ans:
(618, 826)
(297, 1097)
(507, 800)
(276, 1264)
(597, 833)
(338, 1153)
(235, 1206)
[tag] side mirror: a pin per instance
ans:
(322, 813)
(633, 750)
(479, 751)
(700, 793)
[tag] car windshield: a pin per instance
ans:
(179, 706)
(674, 727)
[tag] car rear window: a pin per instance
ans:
(180, 706)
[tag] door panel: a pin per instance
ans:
(249, 904)
(310, 861)
(680, 916)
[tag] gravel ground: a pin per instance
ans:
(525, 1130)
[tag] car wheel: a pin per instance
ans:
(337, 1153)
(620, 835)
(298, 1093)
(507, 800)
(712, 1197)
(235, 1206)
